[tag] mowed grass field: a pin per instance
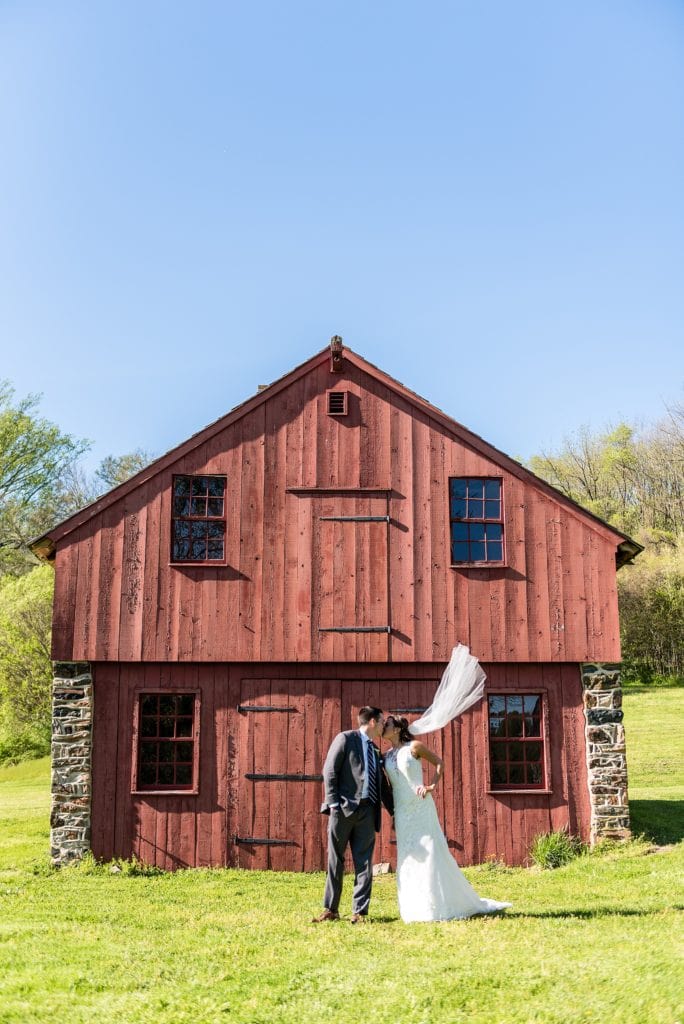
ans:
(599, 940)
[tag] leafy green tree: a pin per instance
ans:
(116, 469)
(34, 455)
(25, 666)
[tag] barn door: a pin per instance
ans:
(286, 727)
(350, 581)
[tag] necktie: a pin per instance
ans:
(372, 775)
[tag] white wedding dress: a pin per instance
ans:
(430, 884)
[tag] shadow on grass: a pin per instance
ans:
(661, 821)
(588, 915)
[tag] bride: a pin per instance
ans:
(430, 885)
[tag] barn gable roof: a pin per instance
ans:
(44, 546)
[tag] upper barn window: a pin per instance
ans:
(476, 517)
(199, 519)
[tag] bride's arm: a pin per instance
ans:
(419, 750)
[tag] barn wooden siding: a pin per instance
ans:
(290, 572)
(175, 831)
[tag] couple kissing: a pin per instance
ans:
(358, 780)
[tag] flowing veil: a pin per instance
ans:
(461, 686)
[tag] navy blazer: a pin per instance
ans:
(344, 773)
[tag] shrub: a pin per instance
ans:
(554, 849)
(24, 745)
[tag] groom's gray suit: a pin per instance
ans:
(353, 821)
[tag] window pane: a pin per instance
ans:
(149, 727)
(477, 531)
(532, 726)
(497, 705)
(198, 507)
(215, 507)
(185, 704)
(494, 552)
(497, 726)
(217, 486)
(181, 506)
(475, 488)
(459, 532)
(533, 751)
(149, 704)
(458, 488)
(200, 485)
(460, 553)
(184, 727)
(166, 726)
(531, 705)
(166, 774)
(199, 531)
(492, 488)
(477, 552)
(458, 508)
(499, 774)
(215, 550)
(183, 775)
(148, 775)
(167, 704)
(199, 550)
(516, 751)
(492, 510)
(514, 703)
(181, 485)
(148, 753)
(181, 529)
(493, 531)
(516, 774)
(166, 751)
(184, 752)
(181, 550)
(216, 529)
(498, 751)
(475, 509)
(534, 774)
(515, 724)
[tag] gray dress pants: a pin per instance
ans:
(357, 831)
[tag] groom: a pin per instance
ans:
(354, 789)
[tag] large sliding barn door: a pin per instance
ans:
(286, 727)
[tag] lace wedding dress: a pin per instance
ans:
(430, 884)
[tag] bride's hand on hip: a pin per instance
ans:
(422, 791)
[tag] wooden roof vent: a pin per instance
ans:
(337, 403)
(336, 358)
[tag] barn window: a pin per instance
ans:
(476, 518)
(199, 519)
(516, 741)
(167, 741)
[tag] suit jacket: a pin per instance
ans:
(344, 773)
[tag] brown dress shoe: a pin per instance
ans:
(327, 915)
(359, 918)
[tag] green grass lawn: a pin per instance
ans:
(596, 941)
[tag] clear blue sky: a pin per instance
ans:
(484, 198)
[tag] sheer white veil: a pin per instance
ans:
(461, 686)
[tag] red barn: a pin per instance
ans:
(222, 614)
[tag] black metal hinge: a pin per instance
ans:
(354, 519)
(354, 629)
(266, 777)
(265, 707)
(251, 841)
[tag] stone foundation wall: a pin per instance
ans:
(606, 754)
(72, 722)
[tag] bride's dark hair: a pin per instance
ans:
(403, 727)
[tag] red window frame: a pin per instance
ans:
(515, 734)
(473, 512)
(187, 514)
(182, 736)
